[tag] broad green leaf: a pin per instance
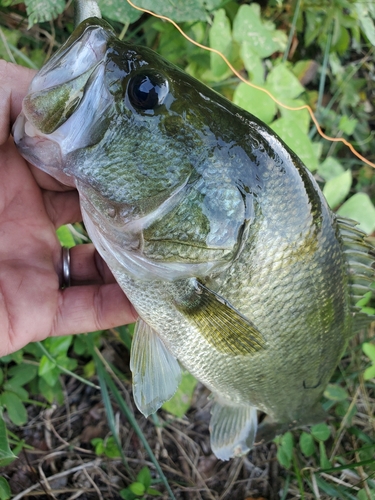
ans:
(337, 189)
(65, 236)
(51, 392)
(119, 10)
(360, 208)
(253, 63)
(137, 488)
(335, 393)
(248, 27)
(347, 125)
(297, 141)
(255, 102)
(369, 350)
(144, 477)
(300, 118)
(1, 376)
(221, 40)
(306, 443)
(45, 366)
(283, 84)
(330, 168)
(43, 10)
(58, 345)
(320, 432)
(178, 10)
(369, 373)
(179, 404)
(20, 391)
(365, 20)
(287, 442)
(16, 410)
(283, 457)
(5, 451)
(22, 374)
(153, 492)
(5, 492)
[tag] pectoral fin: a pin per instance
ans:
(233, 430)
(219, 322)
(156, 372)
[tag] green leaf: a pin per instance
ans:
(360, 208)
(253, 63)
(255, 102)
(283, 84)
(137, 488)
(153, 492)
(126, 494)
(5, 492)
(335, 393)
(43, 10)
(20, 391)
(178, 10)
(65, 236)
(369, 350)
(297, 141)
(365, 20)
(58, 345)
(300, 118)
(320, 432)
(283, 458)
(248, 27)
(369, 373)
(330, 168)
(287, 442)
(119, 10)
(16, 410)
(51, 392)
(45, 365)
(1, 376)
(347, 125)
(181, 401)
(324, 462)
(306, 443)
(22, 374)
(144, 477)
(6, 453)
(221, 40)
(338, 188)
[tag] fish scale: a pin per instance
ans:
(212, 226)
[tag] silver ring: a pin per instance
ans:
(65, 267)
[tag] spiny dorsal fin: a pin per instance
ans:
(360, 255)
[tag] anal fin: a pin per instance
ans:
(233, 429)
(156, 372)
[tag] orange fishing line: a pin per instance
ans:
(291, 108)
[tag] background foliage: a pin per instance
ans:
(303, 52)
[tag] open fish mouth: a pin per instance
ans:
(63, 101)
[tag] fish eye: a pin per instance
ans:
(147, 90)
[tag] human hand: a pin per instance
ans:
(32, 206)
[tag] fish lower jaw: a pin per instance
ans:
(39, 149)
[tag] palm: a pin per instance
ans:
(32, 305)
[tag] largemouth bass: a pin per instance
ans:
(213, 227)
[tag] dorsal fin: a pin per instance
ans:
(359, 251)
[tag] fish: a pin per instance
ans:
(215, 230)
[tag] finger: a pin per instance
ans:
(62, 208)
(91, 308)
(87, 267)
(45, 181)
(14, 82)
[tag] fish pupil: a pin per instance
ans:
(146, 91)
